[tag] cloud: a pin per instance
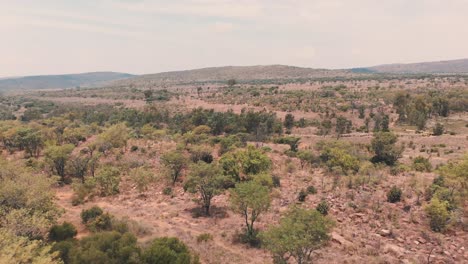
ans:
(222, 27)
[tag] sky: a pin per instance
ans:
(143, 36)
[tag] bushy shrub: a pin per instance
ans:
(394, 195)
(90, 214)
(276, 181)
(311, 190)
(438, 215)
(323, 207)
(422, 164)
(205, 237)
(62, 232)
(101, 223)
(302, 195)
(168, 250)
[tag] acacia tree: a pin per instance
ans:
(175, 162)
(385, 149)
(289, 121)
(299, 233)
(306, 157)
(58, 157)
(250, 199)
(79, 166)
(206, 179)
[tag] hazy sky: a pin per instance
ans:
(142, 36)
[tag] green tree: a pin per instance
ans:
(168, 250)
(242, 164)
(289, 121)
(293, 142)
(250, 200)
(343, 126)
(106, 247)
(107, 180)
(438, 214)
(78, 166)
(58, 156)
(231, 82)
(385, 149)
(207, 180)
(306, 157)
(298, 234)
(175, 162)
(438, 129)
(21, 250)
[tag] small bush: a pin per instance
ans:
(91, 214)
(311, 190)
(394, 195)
(205, 237)
(101, 223)
(422, 164)
(302, 195)
(62, 232)
(438, 215)
(134, 148)
(276, 181)
(323, 207)
(167, 191)
(438, 129)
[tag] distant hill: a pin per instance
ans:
(239, 73)
(450, 66)
(60, 81)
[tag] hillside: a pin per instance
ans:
(451, 66)
(60, 81)
(240, 73)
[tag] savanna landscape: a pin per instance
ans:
(261, 164)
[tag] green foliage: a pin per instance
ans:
(207, 180)
(27, 205)
(250, 200)
(394, 195)
(299, 233)
(175, 162)
(107, 180)
(21, 250)
(311, 190)
(57, 157)
(438, 214)
(301, 197)
(242, 164)
(422, 164)
(90, 214)
(385, 149)
(168, 250)
(323, 207)
(438, 129)
(306, 157)
(289, 121)
(142, 177)
(106, 247)
(115, 136)
(337, 156)
(62, 232)
(293, 142)
(205, 237)
(343, 126)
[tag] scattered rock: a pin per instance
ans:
(393, 249)
(340, 240)
(422, 240)
(385, 232)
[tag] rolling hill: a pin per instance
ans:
(60, 81)
(450, 66)
(239, 73)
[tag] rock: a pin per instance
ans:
(422, 240)
(340, 240)
(399, 239)
(385, 232)
(416, 242)
(393, 249)
(447, 253)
